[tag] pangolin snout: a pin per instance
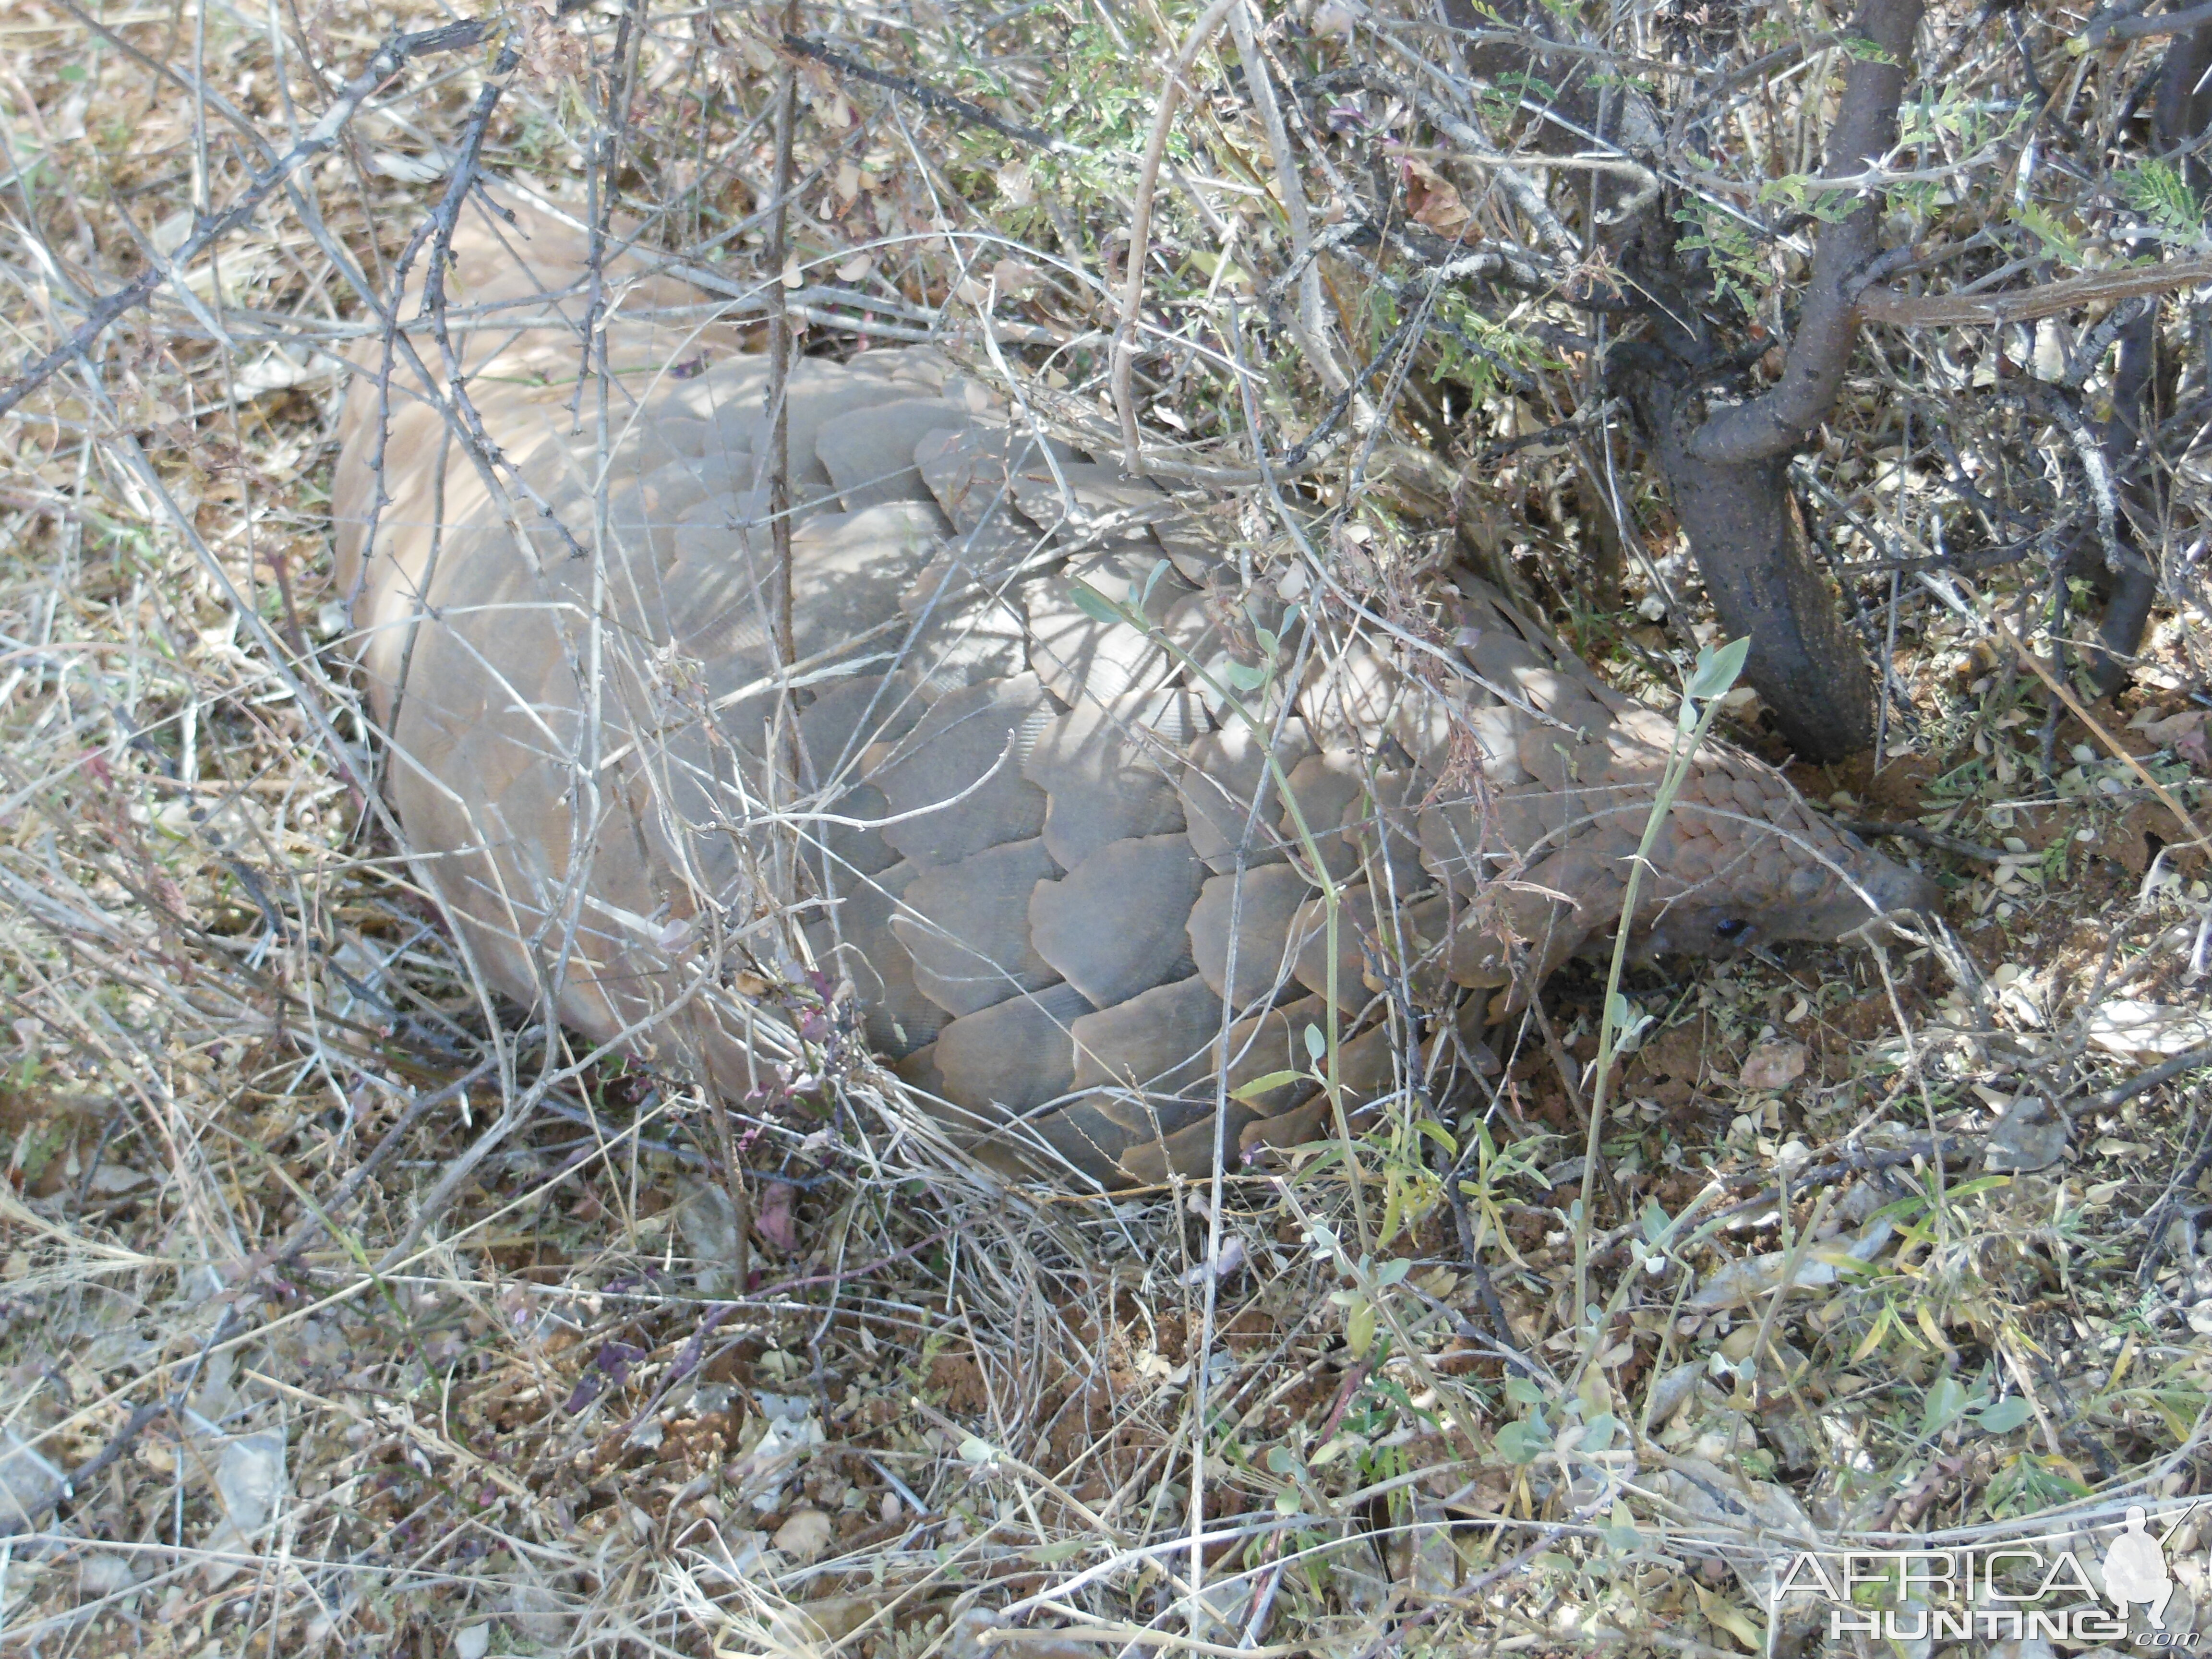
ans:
(1820, 909)
(1898, 887)
(1877, 887)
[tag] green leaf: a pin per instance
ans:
(1093, 603)
(1619, 1532)
(2158, 190)
(1260, 1085)
(973, 1450)
(1316, 1045)
(2005, 1416)
(1598, 1433)
(1392, 1271)
(2055, 237)
(1717, 669)
(1243, 677)
(1864, 50)
(1340, 1443)
(1360, 1327)
(1966, 1189)
(1654, 1222)
(1945, 1401)
(1437, 1132)
(1524, 1442)
(1524, 1391)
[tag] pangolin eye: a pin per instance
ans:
(1731, 928)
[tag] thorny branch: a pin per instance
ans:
(1820, 350)
(929, 97)
(2118, 30)
(389, 60)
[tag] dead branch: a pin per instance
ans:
(389, 60)
(1895, 310)
(929, 97)
(2119, 31)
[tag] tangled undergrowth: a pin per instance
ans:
(1893, 1244)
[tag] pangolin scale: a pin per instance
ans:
(1072, 866)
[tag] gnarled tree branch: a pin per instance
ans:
(1813, 373)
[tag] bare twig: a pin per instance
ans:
(29, 1515)
(1926, 837)
(780, 354)
(2142, 1082)
(325, 1215)
(388, 61)
(1141, 226)
(2119, 31)
(1885, 306)
(945, 103)
(1308, 323)
(2074, 705)
(1526, 195)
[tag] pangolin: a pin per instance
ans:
(1059, 790)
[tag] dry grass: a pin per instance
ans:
(299, 1413)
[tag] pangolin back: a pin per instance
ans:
(1052, 850)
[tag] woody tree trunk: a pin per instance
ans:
(2181, 114)
(1724, 454)
(1726, 461)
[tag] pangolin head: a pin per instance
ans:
(1819, 898)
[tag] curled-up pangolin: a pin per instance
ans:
(1051, 850)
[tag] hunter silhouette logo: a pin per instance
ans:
(2134, 1571)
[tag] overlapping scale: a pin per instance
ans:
(1059, 857)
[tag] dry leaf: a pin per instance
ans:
(1013, 277)
(1335, 18)
(1754, 1525)
(772, 1218)
(407, 169)
(1735, 1284)
(2184, 734)
(806, 1535)
(1434, 200)
(2031, 1135)
(1773, 1065)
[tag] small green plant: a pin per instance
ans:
(1737, 270)
(1715, 675)
(1803, 192)
(2058, 241)
(2156, 190)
